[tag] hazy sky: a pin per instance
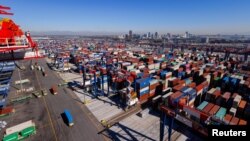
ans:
(174, 16)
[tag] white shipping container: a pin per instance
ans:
(232, 111)
(199, 92)
(151, 71)
(19, 127)
(144, 89)
(157, 65)
(151, 66)
(153, 81)
(141, 67)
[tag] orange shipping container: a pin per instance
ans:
(242, 122)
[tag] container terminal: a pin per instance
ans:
(82, 88)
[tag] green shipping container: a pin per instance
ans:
(221, 113)
(11, 137)
(28, 131)
(202, 105)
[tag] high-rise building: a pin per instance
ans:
(187, 35)
(130, 34)
(156, 35)
(148, 35)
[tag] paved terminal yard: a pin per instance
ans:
(46, 111)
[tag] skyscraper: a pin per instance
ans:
(148, 35)
(130, 35)
(156, 35)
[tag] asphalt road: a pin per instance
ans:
(84, 128)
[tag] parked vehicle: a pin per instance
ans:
(44, 92)
(37, 94)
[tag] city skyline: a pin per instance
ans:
(177, 17)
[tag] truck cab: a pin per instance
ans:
(54, 89)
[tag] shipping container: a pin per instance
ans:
(199, 89)
(227, 119)
(242, 122)
(68, 117)
(11, 137)
(234, 121)
(221, 113)
(173, 99)
(143, 98)
(208, 107)
(202, 105)
(214, 110)
(241, 107)
(165, 98)
(209, 94)
(28, 131)
(6, 110)
(141, 83)
(19, 127)
(236, 101)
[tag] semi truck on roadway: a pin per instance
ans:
(68, 117)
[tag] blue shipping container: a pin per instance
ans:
(68, 117)
(141, 83)
(192, 93)
(184, 89)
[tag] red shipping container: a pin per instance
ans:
(216, 93)
(207, 108)
(204, 116)
(143, 98)
(227, 118)
(152, 93)
(6, 110)
(133, 74)
(192, 85)
(234, 121)
(214, 110)
(151, 87)
(130, 79)
(226, 96)
(177, 87)
(199, 88)
(182, 102)
(205, 84)
(181, 82)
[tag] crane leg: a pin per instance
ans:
(162, 124)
